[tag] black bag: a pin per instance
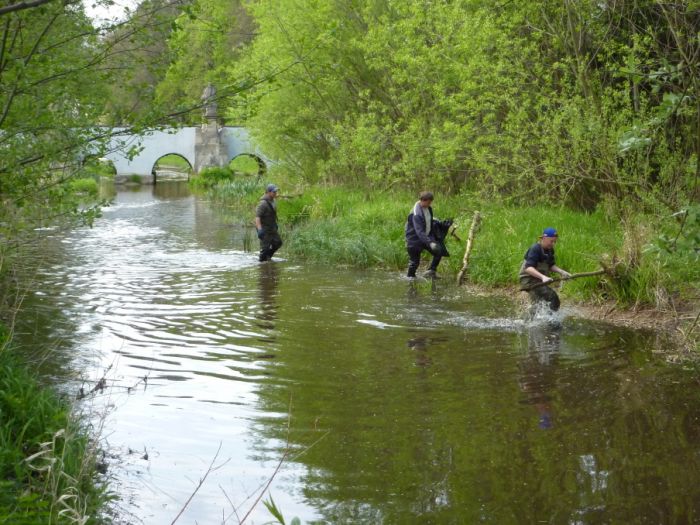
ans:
(440, 230)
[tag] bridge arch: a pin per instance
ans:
(200, 146)
(171, 170)
(238, 163)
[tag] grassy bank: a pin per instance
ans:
(343, 226)
(47, 461)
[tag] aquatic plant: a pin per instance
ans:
(277, 513)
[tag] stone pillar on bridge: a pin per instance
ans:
(209, 148)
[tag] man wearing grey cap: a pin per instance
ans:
(266, 223)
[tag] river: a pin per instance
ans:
(348, 396)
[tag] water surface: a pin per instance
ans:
(357, 396)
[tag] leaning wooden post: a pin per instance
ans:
(470, 243)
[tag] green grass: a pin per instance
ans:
(238, 193)
(174, 161)
(210, 177)
(244, 165)
(47, 463)
(85, 186)
(345, 226)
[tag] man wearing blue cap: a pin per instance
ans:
(538, 263)
(266, 223)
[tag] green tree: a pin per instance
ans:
(57, 72)
(205, 40)
(138, 53)
(573, 101)
(50, 98)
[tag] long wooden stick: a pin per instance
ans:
(470, 244)
(574, 276)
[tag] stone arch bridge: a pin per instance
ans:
(202, 146)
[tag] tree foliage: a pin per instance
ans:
(138, 53)
(60, 76)
(572, 100)
(51, 97)
(204, 42)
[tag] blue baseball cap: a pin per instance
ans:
(549, 232)
(272, 187)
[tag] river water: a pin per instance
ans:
(346, 396)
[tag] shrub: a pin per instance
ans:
(85, 186)
(209, 177)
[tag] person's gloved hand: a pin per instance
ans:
(546, 279)
(261, 233)
(435, 248)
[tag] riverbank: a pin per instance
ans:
(48, 462)
(346, 226)
(676, 328)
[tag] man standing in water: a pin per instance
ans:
(420, 235)
(538, 263)
(266, 223)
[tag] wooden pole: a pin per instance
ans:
(470, 244)
(574, 276)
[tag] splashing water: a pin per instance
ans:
(540, 314)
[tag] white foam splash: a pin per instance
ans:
(377, 324)
(540, 314)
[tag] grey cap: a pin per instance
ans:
(272, 187)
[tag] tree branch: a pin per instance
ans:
(19, 6)
(26, 61)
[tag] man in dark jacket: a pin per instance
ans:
(420, 235)
(266, 224)
(536, 266)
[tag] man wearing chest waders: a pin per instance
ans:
(538, 263)
(420, 235)
(266, 224)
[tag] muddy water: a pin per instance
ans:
(347, 396)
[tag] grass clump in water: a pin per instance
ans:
(337, 226)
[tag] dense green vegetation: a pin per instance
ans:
(47, 461)
(338, 225)
(536, 101)
(580, 114)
